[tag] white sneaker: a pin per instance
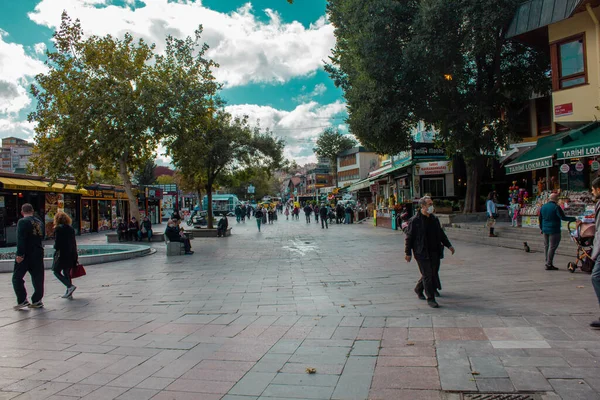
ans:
(21, 306)
(69, 292)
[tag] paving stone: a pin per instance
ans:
(494, 385)
(305, 379)
(298, 392)
(573, 389)
(404, 394)
(353, 386)
(253, 384)
(488, 367)
(138, 394)
(528, 379)
(406, 378)
(365, 348)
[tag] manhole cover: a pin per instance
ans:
(500, 396)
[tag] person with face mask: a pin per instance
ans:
(425, 239)
(596, 250)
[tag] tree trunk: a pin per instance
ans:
(125, 178)
(334, 168)
(473, 184)
(209, 206)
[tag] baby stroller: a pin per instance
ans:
(583, 237)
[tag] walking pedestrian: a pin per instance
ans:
(65, 252)
(287, 213)
(316, 211)
(258, 214)
(596, 251)
(492, 212)
(551, 217)
(307, 212)
(238, 213)
(339, 213)
(243, 213)
(425, 239)
(324, 211)
(30, 258)
(348, 214)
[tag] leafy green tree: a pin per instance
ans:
(452, 68)
(330, 143)
(96, 108)
(218, 146)
(165, 180)
(144, 176)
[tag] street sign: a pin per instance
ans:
(251, 189)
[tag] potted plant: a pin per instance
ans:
(442, 206)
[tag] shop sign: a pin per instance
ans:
(562, 110)
(579, 166)
(529, 166)
(577, 152)
(434, 168)
(565, 168)
(427, 150)
(595, 166)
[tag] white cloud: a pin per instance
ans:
(247, 49)
(299, 127)
(9, 126)
(16, 71)
(40, 48)
(319, 90)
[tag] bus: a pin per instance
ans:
(223, 204)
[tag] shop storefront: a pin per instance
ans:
(149, 204)
(433, 178)
(100, 209)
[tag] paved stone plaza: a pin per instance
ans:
(244, 317)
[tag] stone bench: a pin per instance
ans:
(205, 232)
(113, 237)
(174, 248)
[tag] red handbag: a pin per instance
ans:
(77, 271)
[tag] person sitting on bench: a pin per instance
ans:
(122, 231)
(145, 229)
(222, 227)
(175, 235)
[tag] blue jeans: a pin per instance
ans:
(348, 217)
(148, 234)
(596, 279)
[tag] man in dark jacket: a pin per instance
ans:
(307, 212)
(222, 226)
(133, 228)
(30, 258)
(426, 239)
(174, 234)
(596, 250)
(121, 230)
(551, 217)
(323, 211)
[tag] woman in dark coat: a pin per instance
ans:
(65, 256)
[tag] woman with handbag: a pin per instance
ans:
(65, 255)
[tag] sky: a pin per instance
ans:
(271, 56)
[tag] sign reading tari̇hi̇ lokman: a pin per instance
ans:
(578, 152)
(529, 165)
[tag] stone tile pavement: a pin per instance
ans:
(245, 316)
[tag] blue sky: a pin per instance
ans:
(271, 55)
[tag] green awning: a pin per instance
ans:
(535, 14)
(588, 145)
(541, 156)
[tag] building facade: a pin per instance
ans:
(15, 154)
(354, 165)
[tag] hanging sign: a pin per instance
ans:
(595, 166)
(565, 168)
(579, 166)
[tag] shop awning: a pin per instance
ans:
(359, 185)
(588, 145)
(32, 184)
(540, 156)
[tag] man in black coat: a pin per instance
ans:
(174, 234)
(30, 258)
(323, 211)
(426, 239)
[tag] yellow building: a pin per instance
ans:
(570, 29)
